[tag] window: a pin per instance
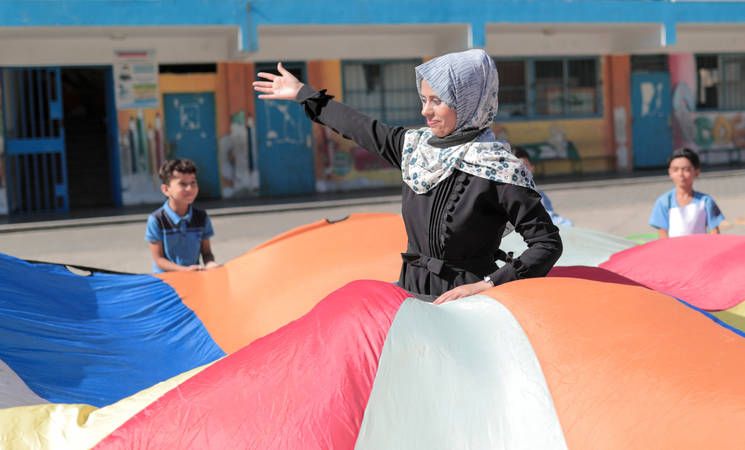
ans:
(708, 75)
(384, 90)
(721, 81)
(512, 98)
(548, 87)
(582, 87)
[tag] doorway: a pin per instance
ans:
(86, 112)
(284, 142)
(190, 133)
(651, 109)
(35, 170)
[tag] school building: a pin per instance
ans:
(96, 93)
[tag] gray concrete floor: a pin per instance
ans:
(620, 207)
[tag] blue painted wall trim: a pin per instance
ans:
(248, 15)
(476, 12)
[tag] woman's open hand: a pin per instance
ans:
(464, 290)
(279, 87)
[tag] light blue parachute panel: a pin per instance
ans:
(94, 339)
(582, 247)
(462, 375)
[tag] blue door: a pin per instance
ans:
(285, 145)
(651, 108)
(35, 165)
(190, 133)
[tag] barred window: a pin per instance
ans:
(385, 90)
(721, 82)
(512, 89)
(535, 88)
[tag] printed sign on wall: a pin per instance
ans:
(136, 79)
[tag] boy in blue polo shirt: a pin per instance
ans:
(177, 233)
(683, 211)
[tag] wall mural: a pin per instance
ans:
(682, 68)
(144, 145)
(237, 154)
(705, 132)
(237, 150)
(141, 151)
(719, 130)
(343, 165)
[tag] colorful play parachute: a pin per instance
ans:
(304, 343)
(706, 271)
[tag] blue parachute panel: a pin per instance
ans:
(95, 339)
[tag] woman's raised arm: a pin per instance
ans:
(371, 134)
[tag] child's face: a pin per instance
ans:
(682, 173)
(182, 188)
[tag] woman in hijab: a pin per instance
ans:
(462, 187)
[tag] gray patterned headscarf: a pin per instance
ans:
(467, 82)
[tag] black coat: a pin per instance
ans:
(454, 230)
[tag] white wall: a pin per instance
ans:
(96, 46)
(572, 39)
(711, 38)
(358, 42)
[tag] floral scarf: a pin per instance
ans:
(424, 166)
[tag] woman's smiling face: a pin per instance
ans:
(440, 117)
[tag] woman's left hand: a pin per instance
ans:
(462, 291)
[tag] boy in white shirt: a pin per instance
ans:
(683, 211)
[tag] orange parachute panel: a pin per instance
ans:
(632, 368)
(278, 281)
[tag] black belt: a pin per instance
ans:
(481, 264)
